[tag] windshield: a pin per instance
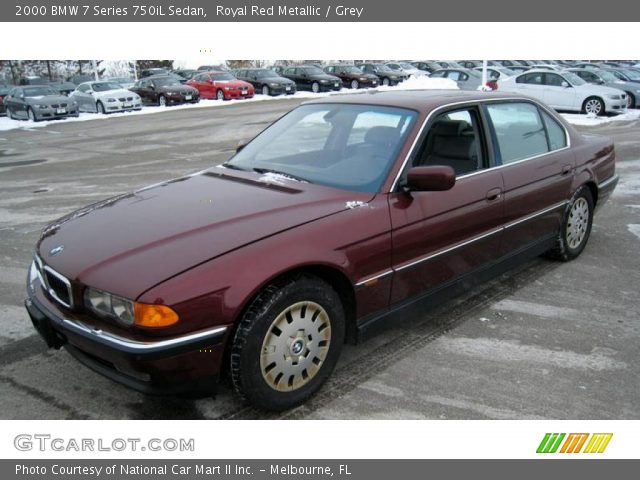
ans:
(222, 76)
(338, 145)
(607, 76)
(312, 71)
(573, 78)
(382, 68)
(632, 74)
(263, 73)
(105, 86)
(166, 81)
(39, 92)
(355, 70)
(407, 66)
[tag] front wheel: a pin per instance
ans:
(631, 100)
(265, 90)
(100, 108)
(354, 84)
(315, 87)
(576, 226)
(287, 343)
(162, 101)
(220, 95)
(593, 105)
(10, 114)
(31, 114)
(385, 82)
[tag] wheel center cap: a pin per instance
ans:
(297, 347)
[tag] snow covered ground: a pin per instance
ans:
(591, 120)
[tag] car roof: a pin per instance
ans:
(421, 100)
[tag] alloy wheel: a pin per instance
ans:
(295, 346)
(354, 84)
(577, 223)
(265, 90)
(593, 106)
(220, 95)
(162, 101)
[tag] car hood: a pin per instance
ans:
(233, 83)
(114, 93)
(325, 76)
(599, 90)
(47, 99)
(130, 243)
(178, 89)
(278, 80)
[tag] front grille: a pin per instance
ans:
(56, 285)
(58, 105)
(122, 99)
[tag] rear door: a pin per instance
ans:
(537, 167)
(559, 93)
(532, 84)
(439, 237)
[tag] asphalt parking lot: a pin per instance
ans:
(547, 340)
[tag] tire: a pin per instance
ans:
(386, 82)
(100, 108)
(593, 105)
(354, 84)
(265, 90)
(10, 114)
(631, 100)
(295, 318)
(576, 226)
(315, 87)
(162, 101)
(31, 115)
(220, 95)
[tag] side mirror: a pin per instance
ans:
(152, 86)
(437, 178)
(600, 82)
(564, 85)
(241, 145)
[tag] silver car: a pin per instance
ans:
(465, 78)
(566, 91)
(105, 97)
(39, 102)
(608, 79)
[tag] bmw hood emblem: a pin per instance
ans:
(56, 250)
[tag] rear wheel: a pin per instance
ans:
(593, 105)
(287, 343)
(576, 226)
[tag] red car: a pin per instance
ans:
(346, 211)
(221, 86)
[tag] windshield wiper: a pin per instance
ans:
(231, 166)
(277, 172)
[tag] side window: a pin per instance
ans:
(331, 69)
(519, 130)
(438, 74)
(290, 71)
(553, 79)
(555, 132)
(453, 139)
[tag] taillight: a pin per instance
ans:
(492, 84)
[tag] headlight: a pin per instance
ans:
(324, 81)
(274, 85)
(393, 77)
(614, 97)
(111, 100)
(362, 79)
(136, 98)
(42, 106)
(227, 88)
(127, 312)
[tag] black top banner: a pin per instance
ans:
(319, 11)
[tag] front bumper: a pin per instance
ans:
(235, 94)
(282, 89)
(178, 99)
(125, 106)
(162, 366)
(616, 106)
(55, 112)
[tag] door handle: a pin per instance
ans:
(566, 169)
(494, 194)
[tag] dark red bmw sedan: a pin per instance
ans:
(344, 211)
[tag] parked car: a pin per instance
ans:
(124, 82)
(624, 74)
(105, 97)
(310, 77)
(4, 91)
(149, 72)
(38, 102)
(164, 90)
(263, 268)
(592, 65)
(186, 74)
(519, 68)
(266, 81)
(216, 68)
(352, 76)
(221, 86)
(33, 80)
(566, 91)
(406, 69)
(450, 64)
(471, 64)
(608, 79)
(465, 79)
(385, 74)
(546, 66)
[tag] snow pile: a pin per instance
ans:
(591, 120)
(423, 83)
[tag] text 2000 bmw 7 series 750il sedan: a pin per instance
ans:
(342, 212)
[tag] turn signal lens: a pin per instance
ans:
(154, 316)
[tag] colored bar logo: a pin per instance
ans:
(574, 443)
